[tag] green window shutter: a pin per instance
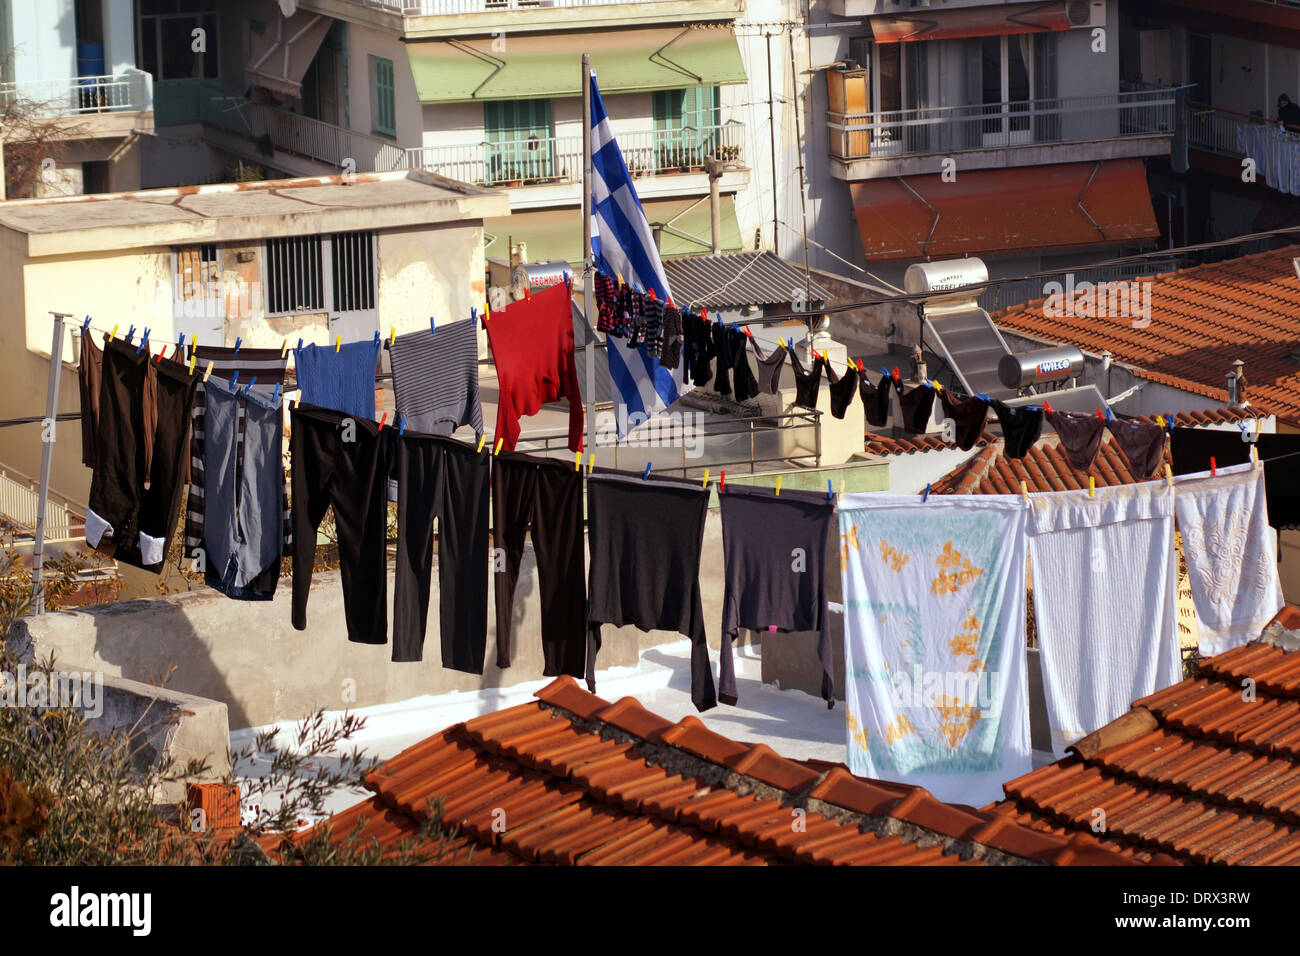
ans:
(521, 140)
(385, 97)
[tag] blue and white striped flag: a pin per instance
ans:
(621, 244)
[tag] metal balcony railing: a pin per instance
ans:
(82, 95)
(558, 159)
(888, 135)
(433, 8)
(19, 501)
(1218, 130)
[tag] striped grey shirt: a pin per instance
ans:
(435, 378)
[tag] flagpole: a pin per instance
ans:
(587, 265)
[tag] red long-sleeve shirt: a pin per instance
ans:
(532, 345)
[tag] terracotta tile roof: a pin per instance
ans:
(1194, 771)
(1202, 319)
(573, 779)
(1046, 468)
(878, 444)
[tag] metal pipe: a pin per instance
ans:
(771, 129)
(588, 266)
(798, 140)
(47, 459)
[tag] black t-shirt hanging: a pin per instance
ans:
(875, 399)
(968, 415)
(807, 384)
(917, 405)
(1021, 426)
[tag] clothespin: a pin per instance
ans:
(85, 326)
(860, 367)
(1100, 416)
(651, 293)
(300, 344)
(778, 486)
(433, 326)
(749, 332)
(284, 347)
(705, 482)
(1254, 457)
(338, 343)
(1214, 467)
(925, 495)
(275, 396)
(238, 343)
(895, 375)
(1024, 491)
(722, 482)
(193, 358)
(401, 426)
(841, 487)
(1047, 407)
(497, 450)
(473, 314)
(251, 383)
(161, 353)
(180, 344)
(376, 337)
(830, 490)
(936, 386)
(1110, 416)
(481, 439)
(645, 475)
(528, 293)
(591, 463)
(129, 333)
(234, 379)
(144, 342)
(577, 460)
(382, 418)
(1092, 487)
(208, 371)
(1169, 475)
(1160, 420)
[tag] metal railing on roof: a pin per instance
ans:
(996, 298)
(1217, 130)
(558, 159)
(1044, 121)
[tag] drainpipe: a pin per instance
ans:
(714, 167)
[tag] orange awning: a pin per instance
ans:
(971, 22)
(1004, 210)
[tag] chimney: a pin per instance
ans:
(1237, 383)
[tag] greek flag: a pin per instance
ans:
(621, 244)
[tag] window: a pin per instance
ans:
(385, 103)
(686, 123)
(167, 39)
(1005, 76)
(197, 273)
(308, 274)
(521, 141)
(899, 74)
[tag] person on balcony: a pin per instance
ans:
(1288, 114)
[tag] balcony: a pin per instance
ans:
(442, 18)
(1226, 132)
(663, 162)
(999, 135)
(93, 106)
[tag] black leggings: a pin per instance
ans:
(134, 524)
(546, 493)
(342, 461)
(442, 478)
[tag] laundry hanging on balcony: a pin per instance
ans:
(1276, 153)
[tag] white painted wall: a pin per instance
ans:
(909, 474)
(45, 40)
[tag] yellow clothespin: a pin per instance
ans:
(939, 388)
(392, 334)
(193, 357)
(207, 372)
(1092, 487)
(1160, 420)
(1169, 475)
(481, 439)
(778, 486)
(1254, 456)
(705, 482)
(1024, 491)
(113, 334)
(284, 348)
(500, 442)
(338, 343)
(577, 461)
(591, 462)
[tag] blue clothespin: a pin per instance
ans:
(830, 490)
(925, 495)
(181, 343)
(300, 344)
(129, 333)
(144, 341)
(1109, 416)
(433, 327)
(473, 314)
(735, 327)
(85, 326)
(645, 476)
(251, 383)
(401, 426)
(234, 379)
(238, 343)
(275, 396)
(376, 337)
(883, 371)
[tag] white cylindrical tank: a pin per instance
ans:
(943, 276)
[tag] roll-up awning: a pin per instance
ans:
(528, 66)
(282, 53)
(970, 22)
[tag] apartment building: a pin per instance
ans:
(70, 84)
(1234, 61)
(966, 127)
(488, 92)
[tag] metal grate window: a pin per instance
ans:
(354, 271)
(295, 280)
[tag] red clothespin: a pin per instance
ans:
(1214, 467)
(652, 294)
(860, 367)
(1047, 406)
(895, 373)
(722, 484)
(670, 303)
(161, 353)
(1100, 416)
(748, 332)
(383, 418)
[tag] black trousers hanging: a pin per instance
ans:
(546, 494)
(448, 480)
(127, 520)
(341, 461)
